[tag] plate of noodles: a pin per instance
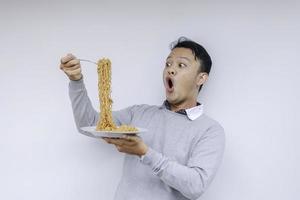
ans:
(105, 126)
(92, 132)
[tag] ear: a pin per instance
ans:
(202, 77)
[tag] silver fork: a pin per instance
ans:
(85, 60)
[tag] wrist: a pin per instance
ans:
(76, 78)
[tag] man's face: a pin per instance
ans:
(181, 76)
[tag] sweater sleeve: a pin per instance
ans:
(193, 178)
(83, 111)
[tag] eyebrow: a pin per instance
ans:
(186, 58)
(182, 57)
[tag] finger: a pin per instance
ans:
(122, 142)
(129, 143)
(119, 148)
(71, 68)
(67, 58)
(124, 149)
(116, 141)
(73, 72)
(105, 140)
(132, 138)
(72, 63)
(127, 137)
(110, 141)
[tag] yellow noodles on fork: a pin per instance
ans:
(106, 122)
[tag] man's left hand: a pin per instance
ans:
(129, 144)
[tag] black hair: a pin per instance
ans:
(199, 52)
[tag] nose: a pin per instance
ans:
(171, 71)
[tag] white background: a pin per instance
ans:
(253, 91)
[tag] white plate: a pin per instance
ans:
(91, 131)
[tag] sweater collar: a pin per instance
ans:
(192, 113)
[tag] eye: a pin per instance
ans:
(181, 65)
(168, 64)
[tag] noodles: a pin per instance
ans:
(105, 122)
(104, 83)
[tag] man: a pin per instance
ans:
(178, 157)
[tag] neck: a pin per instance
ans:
(183, 105)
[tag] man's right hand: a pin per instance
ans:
(71, 66)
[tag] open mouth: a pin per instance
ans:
(169, 84)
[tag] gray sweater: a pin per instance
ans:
(183, 155)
